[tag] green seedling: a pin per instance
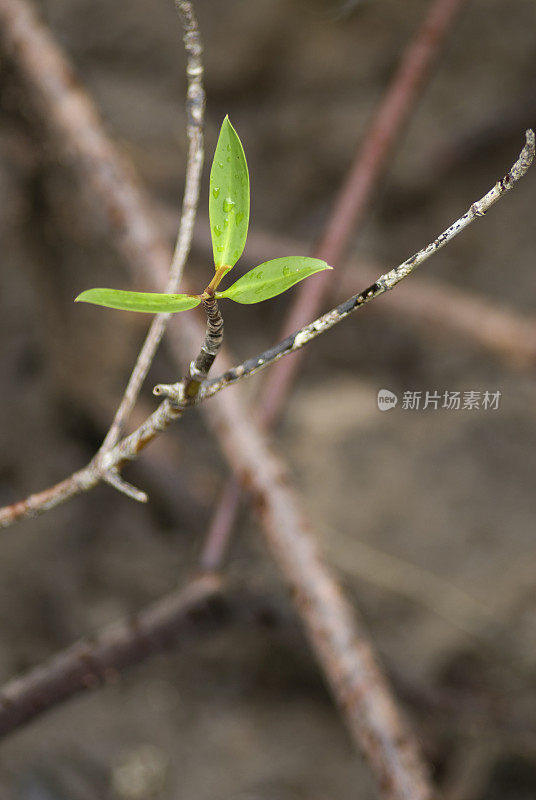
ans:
(229, 220)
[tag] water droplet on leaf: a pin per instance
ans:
(228, 205)
(216, 191)
(217, 230)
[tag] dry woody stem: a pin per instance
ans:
(382, 284)
(210, 348)
(429, 304)
(195, 107)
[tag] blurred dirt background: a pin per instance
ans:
(429, 516)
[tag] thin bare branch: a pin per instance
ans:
(81, 481)
(347, 213)
(92, 662)
(503, 332)
(382, 284)
(195, 108)
(73, 126)
(75, 130)
(371, 158)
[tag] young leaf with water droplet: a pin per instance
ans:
(228, 198)
(272, 278)
(148, 302)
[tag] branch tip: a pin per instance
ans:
(173, 391)
(113, 478)
(525, 158)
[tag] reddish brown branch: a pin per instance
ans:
(95, 661)
(340, 643)
(341, 646)
(346, 215)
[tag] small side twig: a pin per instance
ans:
(113, 478)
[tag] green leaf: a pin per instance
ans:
(150, 302)
(272, 278)
(228, 201)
